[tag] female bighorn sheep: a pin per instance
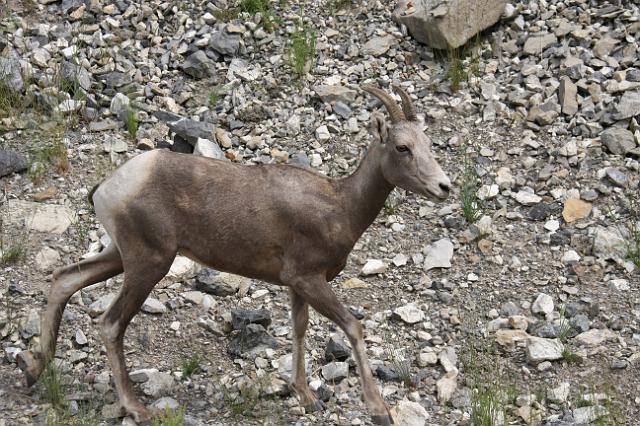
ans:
(282, 224)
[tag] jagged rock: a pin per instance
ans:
(219, 283)
(560, 393)
(11, 162)
(628, 106)
(331, 94)
(31, 325)
(438, 254)
(409, 313)
(377, 46)
(408, 413)
(336, 350)
(575, 209)
(206, 148)
(543, 304)
(595, 337)
(252, 339)
(225, 43)
(446, 386)
(587, 415)
(157, 383)
(609, 244)
(47, 258)
(198, 65)
(618, 141)
(240, 318)
(538, 43)
(187, 129)
(75, 74)
(11, 75)
(540, 349)
(567, 96)
(374, 266)
(153, 306)
(447, 25)
(101, 305)
(335, 371)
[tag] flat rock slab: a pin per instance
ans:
(49, 218)
(575, 210)
(540, 349)
(409, 413)
(447, 25)
(438, 254)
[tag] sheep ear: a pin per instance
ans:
(379, 128)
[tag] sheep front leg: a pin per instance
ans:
(316, 292)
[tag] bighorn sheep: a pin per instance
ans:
(282, 224)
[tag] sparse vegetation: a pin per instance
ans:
(456, 73)
(170, 417)
(253, 6)
(402, 367)
(570, 356)
(52, 388)
(131, 122)
(13, 249)
(226, 15)
(302, 50)
(190, 366)
(214, 95)
(472, 207)
(633, 245)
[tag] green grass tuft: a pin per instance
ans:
(302, 50)
(131, 122)
(170, 417)
(190, 367)
(52, 388)
(472, 206)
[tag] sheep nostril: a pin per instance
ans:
(444, 187)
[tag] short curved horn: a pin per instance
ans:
(394, 110)
(407, 105)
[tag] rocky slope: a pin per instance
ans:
(529, 315)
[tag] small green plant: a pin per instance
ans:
(472, 208)
(190, 366)
(254, 6)
(63, 417)
(13, 254)
(55, 153)
(131, 122)
(566, 327)
(570, 356)
(389, 208)
(633, 245)
(492, 387)
(12, 250)
(302, 50)
(170, 417)
(10, 100)
(226, 15)
(456, 73)
(52, 388)
(402, 367)
(214, 95)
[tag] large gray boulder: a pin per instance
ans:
(447, 24)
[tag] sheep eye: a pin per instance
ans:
(402, 148)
